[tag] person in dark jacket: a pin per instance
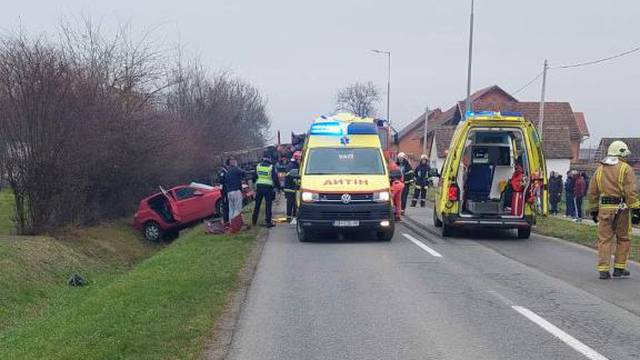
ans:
(568, 195)
(291, 185)
(555, 191)
(266, 184)
(233, 188)
(579, 191)
(422, 181)
(408, 177)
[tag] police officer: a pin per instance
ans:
(266, 184)
(422, 181)
(407, 177)
(612, 199)
(290, 185)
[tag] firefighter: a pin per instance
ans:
(266, 184)
(422, 181)
(290, 186)
(407, 177)
(612, 200)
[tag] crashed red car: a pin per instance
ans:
(168, 211)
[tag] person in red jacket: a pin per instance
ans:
(579, 191)
(397, 187)
(517, 187)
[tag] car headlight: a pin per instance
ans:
(308, 196)
(381, 196)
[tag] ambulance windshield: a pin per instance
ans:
(328, 161)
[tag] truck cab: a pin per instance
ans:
(494, 175)
(344, 181)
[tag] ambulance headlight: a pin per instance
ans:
(308, 196)
(381, 196)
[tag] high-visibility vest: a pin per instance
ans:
(264, 174)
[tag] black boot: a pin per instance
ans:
(621, 272)
(413, 203)
(422, 203)
(605, 275)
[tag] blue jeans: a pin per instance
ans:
(570, 211)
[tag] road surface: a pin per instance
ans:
(479, 296)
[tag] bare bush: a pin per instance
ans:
(90, 124)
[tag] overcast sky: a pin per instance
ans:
(299, 52)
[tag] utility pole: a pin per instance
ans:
(426, 127)
(544, 87)
(468, 102)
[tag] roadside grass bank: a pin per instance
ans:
(34, 269)
(165, 307)
(579, 233)
(6, 212)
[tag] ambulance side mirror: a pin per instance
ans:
(396, 141)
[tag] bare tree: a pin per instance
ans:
(90, 124)
(359, 98)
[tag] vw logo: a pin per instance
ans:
(346, 198)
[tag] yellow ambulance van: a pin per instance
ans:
(344, 179)
(494, 175)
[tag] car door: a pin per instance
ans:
(188, 202)
(173, 206)
(538, 170)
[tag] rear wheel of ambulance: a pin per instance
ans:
(524, 232)
(436, 221)
(446, 230)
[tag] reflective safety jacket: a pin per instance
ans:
(267, 175)
(613, 179)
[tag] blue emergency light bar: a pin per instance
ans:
(493, 113)
(326, 128)
(362, 129)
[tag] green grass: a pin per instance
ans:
(163, 308)
(6, 212)
(34, 269)
(579, 233)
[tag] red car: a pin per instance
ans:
(168, 211)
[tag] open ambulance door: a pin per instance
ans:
(538, 170)
(173, 207)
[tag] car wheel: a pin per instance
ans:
(436, 221)
(303, 235)
(219, 209)
(524, 232)
(152, 231)
(385, 235)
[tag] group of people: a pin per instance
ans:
(267, 184)
(403, 176)
(575, 189)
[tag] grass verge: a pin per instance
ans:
(164, 308)
(579, 233)
(6, 212)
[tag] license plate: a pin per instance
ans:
(346, 223)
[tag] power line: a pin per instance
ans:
(593, 62)
(527, 84)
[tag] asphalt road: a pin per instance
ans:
(486, 296)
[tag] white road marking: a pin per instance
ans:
(421, 245)
(555, 331)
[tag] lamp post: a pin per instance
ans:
(468, 101)
(388, 53)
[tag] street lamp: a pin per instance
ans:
(388, 53)
(468, 100)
